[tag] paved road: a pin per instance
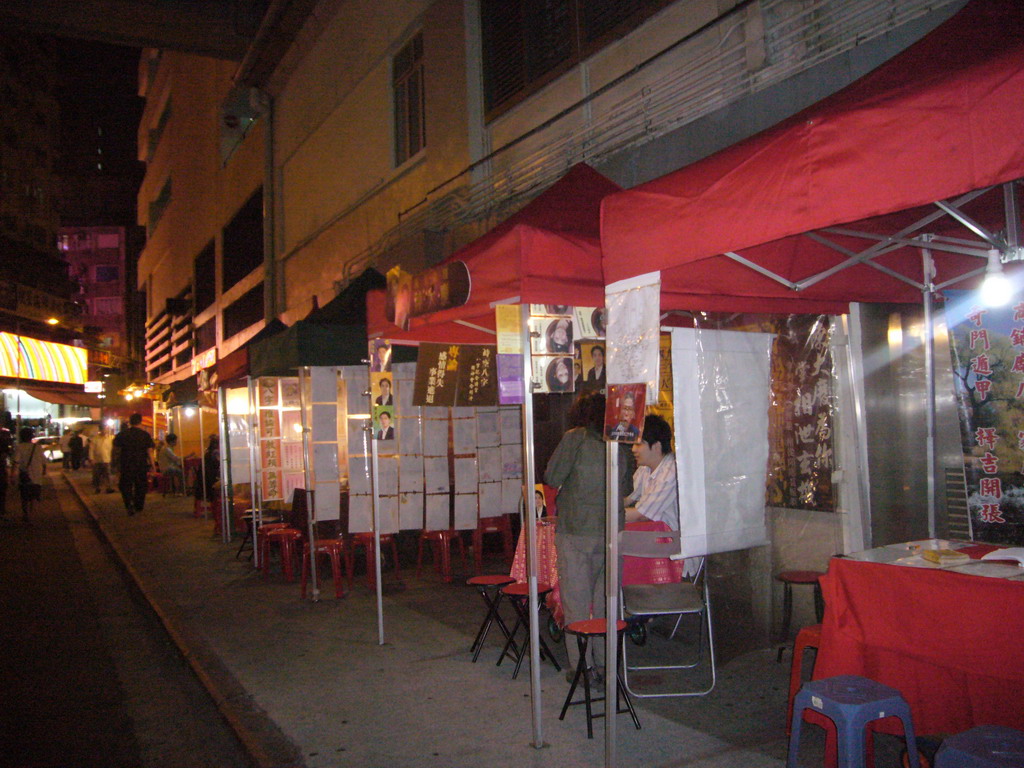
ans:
(89, 677)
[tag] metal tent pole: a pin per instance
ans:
(530, 524)
(611, 597)
(307, 481)
(929, 378)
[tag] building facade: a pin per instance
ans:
(385, 133)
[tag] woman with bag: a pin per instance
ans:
(31, 465)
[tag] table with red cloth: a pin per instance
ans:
(635, 570)
(950, 642)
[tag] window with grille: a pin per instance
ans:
(243, 241)
(407, 88)
(527, 43)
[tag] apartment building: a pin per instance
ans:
(383, 133)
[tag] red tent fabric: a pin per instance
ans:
(546, 253)
(936, 121)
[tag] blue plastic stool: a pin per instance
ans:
(851, 703)
(986, 746)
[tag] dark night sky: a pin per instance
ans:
(97, 168)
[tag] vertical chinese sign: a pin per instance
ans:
(988, 367)
(801, 458)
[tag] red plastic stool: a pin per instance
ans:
(788, 579)
(489, 588)
(366, 540)
(501, 524)
(441, 544)
(519, 595)
(334, 549)
(808, 637)
(285, 538)
(584, 630)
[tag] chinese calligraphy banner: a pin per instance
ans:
(987, 345)
(456, 375)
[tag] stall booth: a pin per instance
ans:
(538, 265)
(895, 190)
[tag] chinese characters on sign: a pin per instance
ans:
(988, 367)
(801, 459)
(456, 375)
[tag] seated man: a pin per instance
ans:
(654, 495)
(170, 463)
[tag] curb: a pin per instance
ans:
(261, 739)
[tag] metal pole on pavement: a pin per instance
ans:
(611, 596)
(530, 523)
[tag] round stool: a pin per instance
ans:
(335, 550)
(851, 702)
(788, 579)
(286, 539)
(518, 595)
(584, 630)
(489, 588)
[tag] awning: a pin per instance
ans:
(546, 253)
(64, 397)
(886, 158)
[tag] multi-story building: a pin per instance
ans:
(34, 283)
(96, 258)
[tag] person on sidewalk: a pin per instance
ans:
(101, 449)
(6, 451)
(170, 463)
(31, 465)
(135, 453)
(77, 446)
(207, 485)
(577, 469)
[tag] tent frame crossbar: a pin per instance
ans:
(906, 237)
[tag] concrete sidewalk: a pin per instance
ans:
(314, 672)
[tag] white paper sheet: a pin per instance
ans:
(466, 476)
(511, 461)
(328, 501)
(387, 476)
(435, 470)
(437, 512)
(324, 384)
(465, 511)
(489, 464)
(410, 474)
(410, 441)
(490, 499)
(511, 425)
(357, 381)
(325, 423)
(325, 462)
(359, 474)
(358, 437)
(435, 438)
(410, 511)
(360, 514)
(388, 508)
(464, 435)
(488, 428)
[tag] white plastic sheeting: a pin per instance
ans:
(721, 383)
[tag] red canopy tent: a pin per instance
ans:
(909, 148)
(546, 253)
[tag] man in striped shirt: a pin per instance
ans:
(654, 496)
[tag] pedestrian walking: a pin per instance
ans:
(101, 449)
(77, 446)
(135, 456)
(31, 465)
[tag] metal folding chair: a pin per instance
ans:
(642, 602)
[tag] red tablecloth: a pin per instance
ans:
(951, 643)
(635, 570)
